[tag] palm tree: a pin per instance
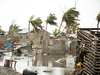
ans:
(31, 18)
(50, 20)
(61, 24)
(70, 18)
(12, 28)
(98, 19)
(72, 29)
(37, 25)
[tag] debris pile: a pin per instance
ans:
(8, 71)
(88, 51)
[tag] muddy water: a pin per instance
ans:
(44, 65)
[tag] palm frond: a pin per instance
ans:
(71, 17)
(51, 19)
(56, 32)
(37, 24)
(13, 27)
(98, 17)
(31, 18)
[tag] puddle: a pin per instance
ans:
(44, 65)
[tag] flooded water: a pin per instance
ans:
(44, 65)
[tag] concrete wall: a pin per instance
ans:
(40, 36)
(58, 46)
(24, 37)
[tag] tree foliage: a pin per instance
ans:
(31, 18)
(98, 19)
(13, 27)
(56, 32)
(51, 19)
(72, 29)
(71, 17)
(37, 24)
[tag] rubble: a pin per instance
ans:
(88, 51)
(8, 71)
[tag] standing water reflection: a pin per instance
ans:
(44, 65)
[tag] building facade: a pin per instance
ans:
(23, 36)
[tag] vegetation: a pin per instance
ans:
(98, 19)
(56, 32)
(50, 20)
(72, 29)
(13, 27)
(31, 18)
(36, 25)
(70, 17)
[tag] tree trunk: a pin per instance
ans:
(97, 26)
(29, 31)
(35, 32)
(60, 25)
(12, 36)
(67, 34)
(45, 31)
(64, 28)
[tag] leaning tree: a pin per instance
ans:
(12, 28)
(70, 17)
(36, 25)
(50, 20)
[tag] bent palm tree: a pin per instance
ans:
(50, 20)
(37, 25)
(31, 18)
(70, 18)
(12, 28)
(98, 19)
(72, 29)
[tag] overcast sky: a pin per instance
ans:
(21, 10)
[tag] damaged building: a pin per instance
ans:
(88, 51)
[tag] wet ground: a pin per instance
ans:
(44, 65)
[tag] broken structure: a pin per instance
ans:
(54, 46)
(88, 50)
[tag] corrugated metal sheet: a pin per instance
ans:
(25, 31)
